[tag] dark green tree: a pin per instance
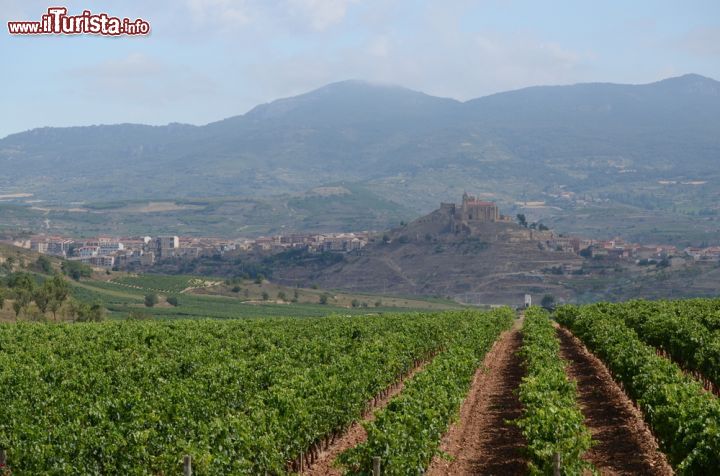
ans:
(59, 290)
(76, 270)
(42, 297)
(43, 264)
(151, 299)
(548, 302)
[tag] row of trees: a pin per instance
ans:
(23, 289)
(48, 295)
(152, 299)
(522, 221)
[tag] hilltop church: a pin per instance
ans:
(472, 211)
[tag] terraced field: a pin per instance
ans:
(126, 295)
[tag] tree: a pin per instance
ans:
(2, 299)
(265, 296)
(23, 289)
(548, 302)
(42, 297)
(76, 270)
(323, 299)
(74, 309)
(542, 227)
(59, 292)
(97, 313)
(355, 303)
(172, 300)
(281, 296)
(151, 299)
(43, 264)
(522, 220)
(9, 263)
(83, 312)
(22, 281)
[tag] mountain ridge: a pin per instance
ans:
(696, 78)
(603, 143)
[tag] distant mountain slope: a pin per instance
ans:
(670, 123)
(399, 142)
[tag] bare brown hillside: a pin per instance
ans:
(492, 262)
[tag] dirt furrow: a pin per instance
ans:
(623, 444)
(482, 442)
(356, 434)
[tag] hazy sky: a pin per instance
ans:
(209, 59)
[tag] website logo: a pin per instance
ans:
(57, 22)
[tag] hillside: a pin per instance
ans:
(631, 148)
(496, 262)
(357, 130)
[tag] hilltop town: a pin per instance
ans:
(469, 218)
(107, 252)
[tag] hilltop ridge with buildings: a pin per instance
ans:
(472, 217)
(107, 252)
(467, 251)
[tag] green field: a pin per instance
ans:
(127, 295)
(163, 283)
(240, 396)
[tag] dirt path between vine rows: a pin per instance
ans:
(356, 434)
(481, 442)
(624, 444)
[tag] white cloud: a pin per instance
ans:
(226, 16)
(450, 63)
(141, 79)
(322, 14)
(703, 41)
(223, 15)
